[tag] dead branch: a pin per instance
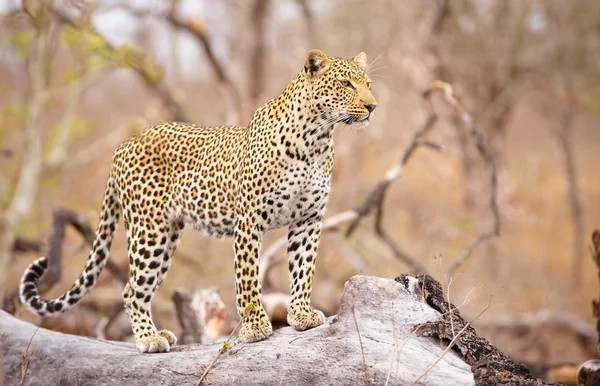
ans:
(91, 152)
(565, 142)
(589, 373)
(192, 331)
(22, 244)
(57, 155)
(309, 22)
(276, 305)
(62, 218)
(463, 118)
(202, 317)
(532, 321)
(197, 28)
(377, 196)
(256, 73)
(100, 329)
(488, 364)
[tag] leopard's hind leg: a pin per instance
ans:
(150, 252)
(175, 230)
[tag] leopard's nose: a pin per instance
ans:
(370, 107)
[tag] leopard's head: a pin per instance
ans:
(340, 88)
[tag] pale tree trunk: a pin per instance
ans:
(386, 332)
(26, 189)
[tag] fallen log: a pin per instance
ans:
(373, 340)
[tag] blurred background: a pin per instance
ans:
(78, 77)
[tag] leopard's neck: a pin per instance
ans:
(296, 119)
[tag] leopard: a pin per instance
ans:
(227, 181)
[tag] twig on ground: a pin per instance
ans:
(226, 344)
(225, 347)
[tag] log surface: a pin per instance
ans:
(382, 312)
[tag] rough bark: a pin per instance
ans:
(489, 365)
(372, 340)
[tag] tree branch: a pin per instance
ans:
(142, 65)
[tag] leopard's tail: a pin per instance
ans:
(28, 291)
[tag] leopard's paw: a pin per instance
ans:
(153, 343)
(169, 336)
(253, 331)
(302, 320)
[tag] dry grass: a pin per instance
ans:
(27, 358)
(362, 350)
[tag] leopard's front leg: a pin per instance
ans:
(303, 243)
(255, 322)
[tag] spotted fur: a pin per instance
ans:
(226, 181)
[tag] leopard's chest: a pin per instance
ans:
(302, 190)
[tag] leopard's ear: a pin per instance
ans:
(361, 60)
(316, 63)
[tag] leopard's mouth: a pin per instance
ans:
(353, 120)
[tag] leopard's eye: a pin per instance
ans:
(346, 83)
